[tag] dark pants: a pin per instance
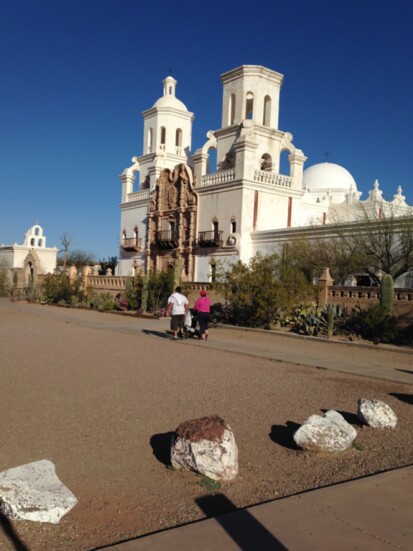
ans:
(203, 319)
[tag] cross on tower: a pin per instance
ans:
(326, 154)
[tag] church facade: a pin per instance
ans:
(183, 214)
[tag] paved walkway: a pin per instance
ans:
(382, 361)
(372, 513)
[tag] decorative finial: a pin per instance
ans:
(326, 154)
(170, 71)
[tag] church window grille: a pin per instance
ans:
(249, 105)
(213, 272)
(231, 110)
(267, 111)
(215, 226)
(150, 139)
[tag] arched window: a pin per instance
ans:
(266, 119)
(213, 265)
(32, 241)
(249, 105)
(231, 110)
(163, 135)
(285, 167)
(36, 231)
(212, 160)
(215, 226)
(150, 139)
(40, 243)
(266, 162)
(178, 137)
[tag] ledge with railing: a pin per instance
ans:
(274, 179)
(132, 244)
(166, 239)
(210, 238)
(218, 177)
(139, 195)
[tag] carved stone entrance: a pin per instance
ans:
(171, 238)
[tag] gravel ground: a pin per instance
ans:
(101, 402)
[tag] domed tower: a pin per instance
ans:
(167, 135)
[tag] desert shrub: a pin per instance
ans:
(375, 323)
(160, 286)
(101, 301)
(58, 288)
(4, 283)
(133, 291)
(261, 291)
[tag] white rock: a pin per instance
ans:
(330, 433)
(376, 414)
(34, 492)
(206, 446)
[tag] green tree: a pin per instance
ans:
(258, 292)
(383, 240)
(80, 258)
(111, 263)
(311, 255)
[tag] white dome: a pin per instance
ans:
(170, 101)
(328, 176)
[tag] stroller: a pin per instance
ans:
(190, 329)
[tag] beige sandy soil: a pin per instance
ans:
(99, 397)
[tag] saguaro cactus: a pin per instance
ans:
(331, 314)
(387, 293)
(145, 293)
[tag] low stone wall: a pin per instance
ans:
(365, 296)
(106, 284)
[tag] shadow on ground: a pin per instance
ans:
(246, 531)
(9, 531)
(408, 398)
(283, 435)
(161, 447)
(160, 334)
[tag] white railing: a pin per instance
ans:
(273, 179)
(218, 177)
(139, 195)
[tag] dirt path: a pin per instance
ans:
(99, 398)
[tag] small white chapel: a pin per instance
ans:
(178, 211)
(29, 259)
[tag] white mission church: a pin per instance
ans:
(181, 212)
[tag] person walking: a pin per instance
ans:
(177, 309)
(203, 310)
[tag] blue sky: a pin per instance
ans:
(76, 75)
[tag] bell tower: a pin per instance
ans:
(167, 135)
(251, 92)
